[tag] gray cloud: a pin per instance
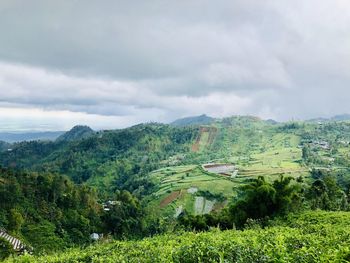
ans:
(159, 60)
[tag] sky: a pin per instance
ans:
(111, 64)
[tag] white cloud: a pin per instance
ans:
(29, 96)
(156, 60)
(33, 119)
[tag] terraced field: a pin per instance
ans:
(179, 187)
(246, 148)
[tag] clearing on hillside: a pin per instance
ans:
(205, 138)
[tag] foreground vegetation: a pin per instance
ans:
(308, 237)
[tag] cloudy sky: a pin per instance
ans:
(111, 64)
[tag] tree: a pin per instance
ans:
(126, 216)
(326, 194)
(262, 199)
(6, 249)
(15, 221)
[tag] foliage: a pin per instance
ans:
(325, 192)
(109, 160)
(47, 210)
(259, 199)
(308, 237)
(125, 217)
(6, 249)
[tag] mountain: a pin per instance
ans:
(76, 133)
(191, 121)
(12, 137)
(341, 117)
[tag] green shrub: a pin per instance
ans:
(6, 249)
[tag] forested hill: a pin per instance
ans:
(103, 155)
(122, 159)
(47, 211)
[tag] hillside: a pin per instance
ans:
(104, 157)
(308, 237)
(163, 164)
(47, 211)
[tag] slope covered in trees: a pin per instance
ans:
(48, 211)
(106, 157)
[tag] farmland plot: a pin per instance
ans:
(203, 206)
(199, 205)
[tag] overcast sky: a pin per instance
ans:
(111, 64)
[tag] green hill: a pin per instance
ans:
(149, 159)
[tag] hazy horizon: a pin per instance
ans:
(39, 129)
(120, 63)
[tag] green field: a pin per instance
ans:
(182, 178)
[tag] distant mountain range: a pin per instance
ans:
(76, 133)
(12, 137)
(80, 131)
(342, 117)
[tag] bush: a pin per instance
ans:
(6, 249)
